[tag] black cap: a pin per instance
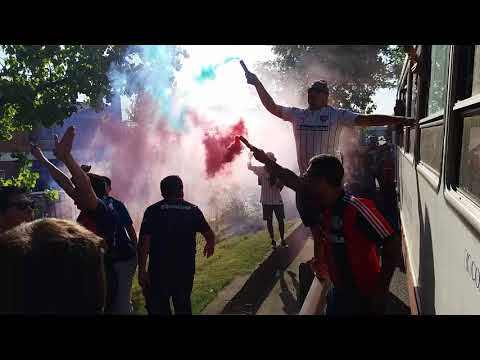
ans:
(320, 86)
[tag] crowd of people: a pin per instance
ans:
(55, 266)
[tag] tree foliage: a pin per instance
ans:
(51, 195)
(354, 72)
(40, 84)
(26, 178)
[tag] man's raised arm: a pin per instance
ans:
(381, 120)
(60, 178)
(264, 96)
(286, 176)
(84, 191)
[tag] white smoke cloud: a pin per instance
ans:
(221, 102)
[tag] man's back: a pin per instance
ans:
(172, 225)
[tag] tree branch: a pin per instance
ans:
(52, 83)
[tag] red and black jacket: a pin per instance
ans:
(354, 228)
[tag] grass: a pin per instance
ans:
(238, 255)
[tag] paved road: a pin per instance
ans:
(273, 288)
(282, 299)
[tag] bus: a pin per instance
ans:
(438, 177)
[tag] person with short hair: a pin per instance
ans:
(15, 207)
(352, 228)
(51, 266)
(270, 198)
(125, 269)
(168, 241)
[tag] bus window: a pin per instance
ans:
(414, 109)
(431, 144)
(412, 139)
(466, 122)
(476, 72)
(431, 134)
(438, 78)
(470, 156)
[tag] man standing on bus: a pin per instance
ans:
(317, 131)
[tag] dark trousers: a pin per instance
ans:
(111, 286)
(341, 302)
(159, 294)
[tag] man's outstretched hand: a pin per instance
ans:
(37, 153)
(258, 154)
(64, 146)
(261, 156)
(252, 79)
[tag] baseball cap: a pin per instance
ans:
(320, 86)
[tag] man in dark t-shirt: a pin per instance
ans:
(121, 210)
(125, 268)
(168, 239)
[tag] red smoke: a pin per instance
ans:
(221, 148)
(134, 157)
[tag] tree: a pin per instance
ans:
(40, 84)
(26, 178)
(354, 72)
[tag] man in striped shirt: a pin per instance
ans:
(270, 198)
(352, 229)
(317, 129)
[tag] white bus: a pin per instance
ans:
(438, 177)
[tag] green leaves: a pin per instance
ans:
(51, 195)
(26, 178)
(40, 84)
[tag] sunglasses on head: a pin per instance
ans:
(23, 205)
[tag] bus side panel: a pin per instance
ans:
(409, 215)
(458, 255)
(443, 250)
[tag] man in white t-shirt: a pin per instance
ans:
(270, 199)
(317, 130)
